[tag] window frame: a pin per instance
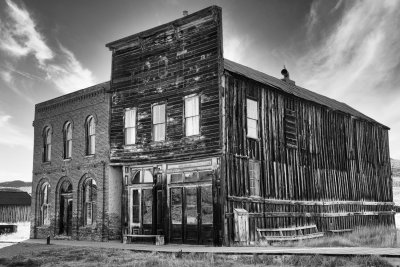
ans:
(46, 157)
(153, 125)
(92, 202)
(198, 115)
(249, 118)
(67, 142)
(90, 144)
(132, 127)
(44, 204)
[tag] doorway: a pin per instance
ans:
(66, 203)
(191, 214)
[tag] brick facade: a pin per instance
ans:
(75, 108)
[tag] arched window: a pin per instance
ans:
(67, 140)
(47, 144)
(89, 201)
(90, 136)
(44, 204)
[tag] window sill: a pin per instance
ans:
(66, 160)
(253, 138)
(90, 156)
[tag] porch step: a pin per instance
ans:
(159, 239)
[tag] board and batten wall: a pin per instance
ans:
(334, 172)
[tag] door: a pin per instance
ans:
(66, 215)
(141, 210)
(191, 215)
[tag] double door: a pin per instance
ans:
(191, 214)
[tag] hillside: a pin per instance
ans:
(16, 183)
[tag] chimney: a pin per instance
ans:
(286, 77)
(185, 13)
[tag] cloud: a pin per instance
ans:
(11, 135)
(6, 76)
(359, 60)
(69, 75)
(19, 38)
(235, 47)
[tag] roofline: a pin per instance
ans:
(79, 91)
(115, 44)
(320, 104)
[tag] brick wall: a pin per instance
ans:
(74, 107)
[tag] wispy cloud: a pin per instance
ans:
(359, 60)
(11, 135)
(19, 38)
(235, 47)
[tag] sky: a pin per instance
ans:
(344, 49)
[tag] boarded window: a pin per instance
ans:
(68, 140)
(252, 118)
(254, 174)
(290, 127)
(89, 201)
(47, 144)
(90, 136)
(159, 122)
(192, 115)
(130, 126)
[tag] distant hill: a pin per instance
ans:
(16, 183)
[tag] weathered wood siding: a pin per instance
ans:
(162, 65)
(14, 213)
(335, 170)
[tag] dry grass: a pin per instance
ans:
(42, 255)
(377, 236)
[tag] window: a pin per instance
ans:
(159, 122)
(252, 118)
(89, 201)
(130, 126)
(47, 144)
(44, 204)
(67, 140)
(192, 115)
(142, 176)
(90, 136)
(254, 174)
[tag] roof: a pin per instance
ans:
(294, 90)
(14, 197)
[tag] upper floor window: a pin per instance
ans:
(252, 118)
(130, 126)
(44, 204)
(67, 140)
(47, 144)
(254, 174)
(159, 122)
(90, 136)
(192, 115)
(89, 201)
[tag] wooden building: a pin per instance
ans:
(195, 138)
(15, 208)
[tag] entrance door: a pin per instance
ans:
(65, 197)
(191, 215)
(141, 211)
(66, 214)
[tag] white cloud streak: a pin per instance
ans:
(19, 38)
(358, 61)
(11, 135)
